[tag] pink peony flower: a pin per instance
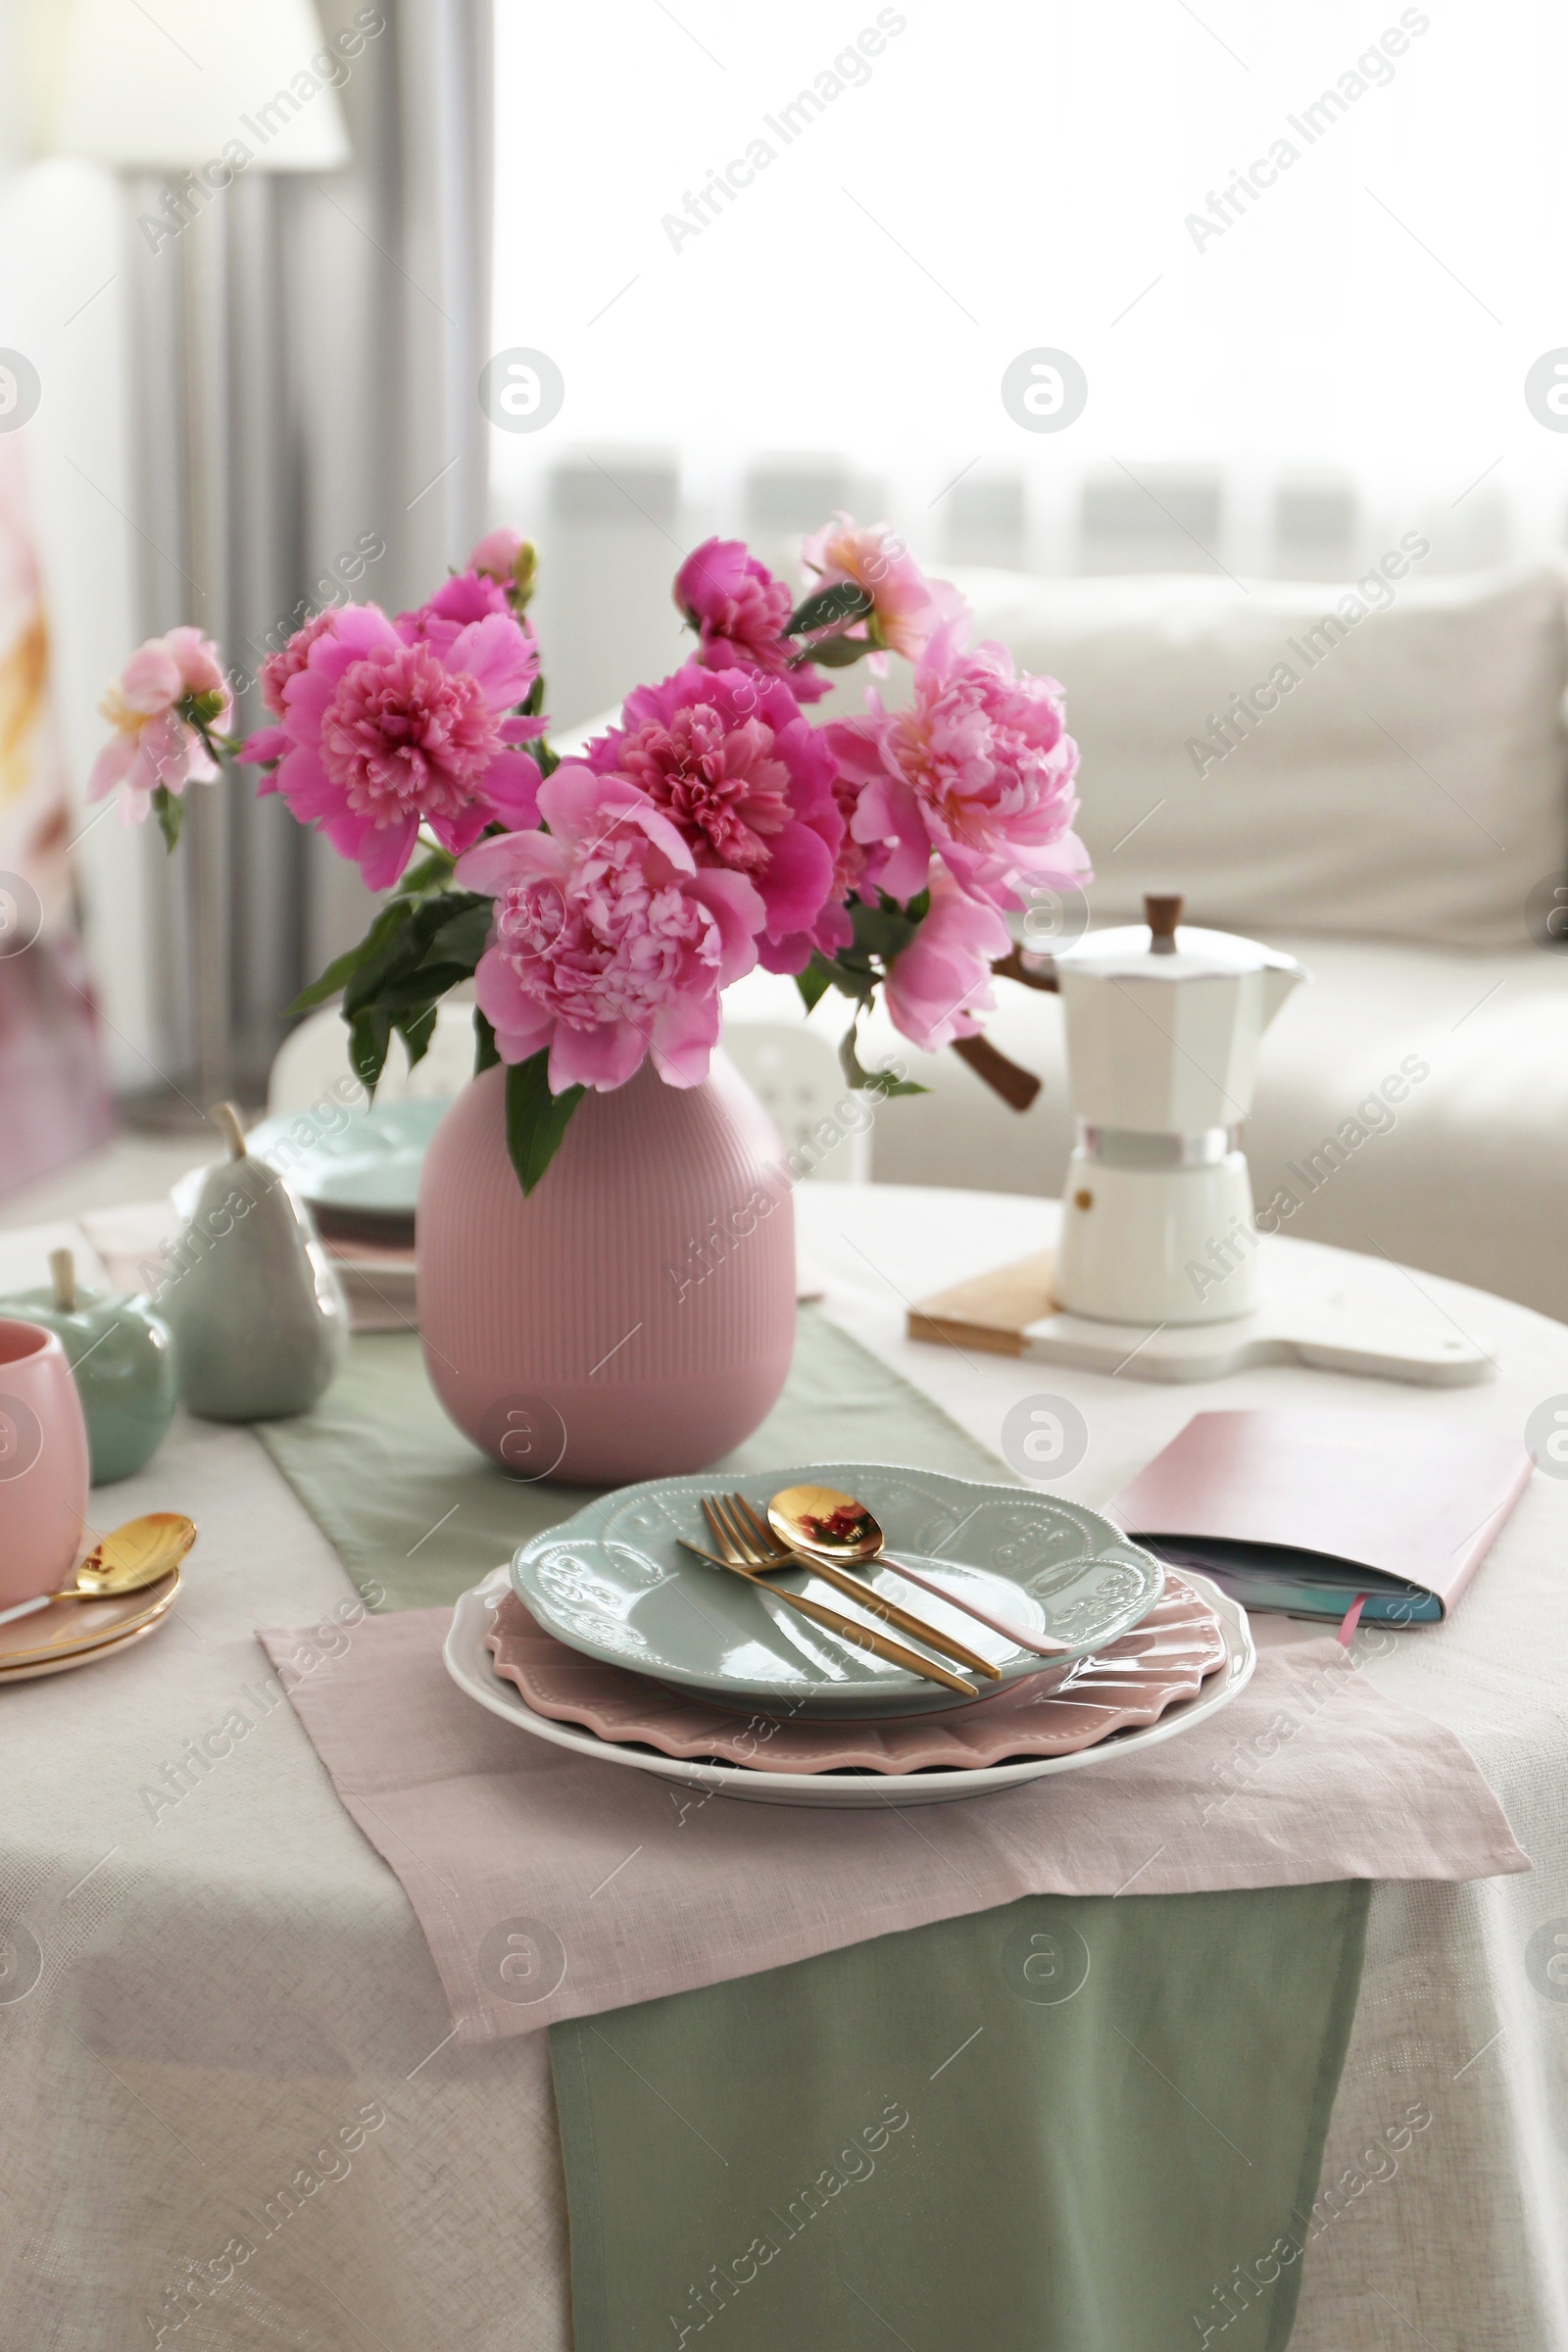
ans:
(382, 733)
(854, 869)
(277, 670)
(740, 611)
(505, 554)
(940, 984)
(907, 608)
(727, 755)
(979, 769)
(610, 942)
(859, 866)
(155, 740)
(497, 554)
(467, 596)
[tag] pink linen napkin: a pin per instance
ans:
(550, 1886)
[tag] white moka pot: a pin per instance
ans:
(1162, 1034)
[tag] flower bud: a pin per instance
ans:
(524, 569)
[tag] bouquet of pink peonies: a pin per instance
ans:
(600, 904)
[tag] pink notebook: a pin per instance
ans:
(1304, 1511)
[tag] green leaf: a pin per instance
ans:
(845, 601)
(406, 946)
(486, 1053)
(548, 760)
(342, 969)
(533, 702)
(431, 874)
(536, 1119)
(462, 938)
(814, 982)
(416, 1030)
(850, 974)
(410, 991)
(417, 948)
(849, 1059)
(875, 1082)
(170, 813)
(369, 1036)
(834, 653)
(391, 945)
(886, 929)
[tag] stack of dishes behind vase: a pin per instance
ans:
(357, 1172)
(612, 1636)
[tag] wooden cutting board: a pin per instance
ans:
(1309, 1314)
(990, 1311)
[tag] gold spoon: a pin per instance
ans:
(136, 1554)
(762, 1547)
(825, 1524)
(848, 1629)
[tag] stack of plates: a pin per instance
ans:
(79, 1633)
(360, 1178)
(627, 1648)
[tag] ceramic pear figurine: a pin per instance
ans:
(261, 1326)
(121, 1358)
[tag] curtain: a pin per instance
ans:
(347, 320)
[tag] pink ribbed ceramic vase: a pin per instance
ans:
(634, 1315)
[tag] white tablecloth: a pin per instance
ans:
(227, 2110)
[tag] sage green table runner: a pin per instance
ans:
(417, 1514)
(1070, 2125)
(1074, 2124)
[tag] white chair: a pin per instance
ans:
(826, 1127)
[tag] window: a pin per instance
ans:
(1305, 261)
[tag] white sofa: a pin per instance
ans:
(1392, 819)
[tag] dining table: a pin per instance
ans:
(210, 1978)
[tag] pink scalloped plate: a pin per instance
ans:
(1133, 1682)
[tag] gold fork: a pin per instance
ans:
(762, 1549)
(850, 1629)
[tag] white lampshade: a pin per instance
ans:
(168, 87)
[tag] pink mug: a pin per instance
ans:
(43, 1463)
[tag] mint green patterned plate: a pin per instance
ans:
(615, 1583)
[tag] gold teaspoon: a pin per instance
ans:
(826, 1525)
(136, 1554)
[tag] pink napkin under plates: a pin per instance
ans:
(550, 1886)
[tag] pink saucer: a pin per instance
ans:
(1132, 1682)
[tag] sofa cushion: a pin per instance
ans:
(1402, 772)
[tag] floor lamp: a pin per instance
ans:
(198, 94)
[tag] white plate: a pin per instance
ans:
(472, 1668)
